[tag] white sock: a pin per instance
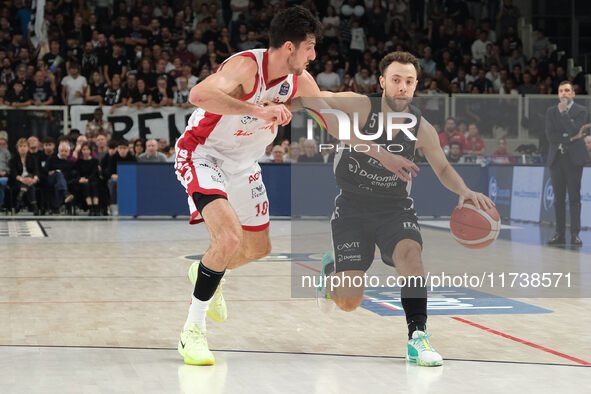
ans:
(197, 312)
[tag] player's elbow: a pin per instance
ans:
(197, 96)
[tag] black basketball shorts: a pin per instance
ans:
(359, 225)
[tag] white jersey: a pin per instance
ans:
(237, 141)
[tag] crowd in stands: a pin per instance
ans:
(150, 53)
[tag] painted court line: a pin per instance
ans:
(554, 352)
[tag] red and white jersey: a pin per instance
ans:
(238, 141)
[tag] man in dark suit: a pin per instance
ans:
(566, 157)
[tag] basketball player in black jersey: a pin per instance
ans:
(374, 206)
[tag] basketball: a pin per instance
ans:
(475, 228)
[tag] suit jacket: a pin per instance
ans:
(559, 129)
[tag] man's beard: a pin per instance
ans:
(398, 104)
(293, 69)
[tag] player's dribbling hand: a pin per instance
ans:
(400, 166)
(275, 113)
(479, 199)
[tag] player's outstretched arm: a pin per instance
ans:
(220, 93)
(428, 140)
(311, 96)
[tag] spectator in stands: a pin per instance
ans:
(24, 176)
(278, 154)
(95, 91)
(128, 87)
(474, 145)
(90, 61)
(170, 153)
(311, 154)
(87, 182)
(101, 146)
(114, 95)
(450, 133)
(527, 87)
(141, 96)
(455, 152)
(60, 171)
(122, 155)
(98, 125)
(364, 82)
(73, 86)
(540, 44)
(162, 95)
(428, 65)
(34, 148)
(294, 152)
(151, 154)
(328, 79)
(483, 84)
(162, 144)
(181, 51)
(501, 148)
(4, 167)
(116, 64)
(181, 96)
(267, 157)
(479, 47)
(188, 74)
(41, 94)
(197, 47)
(139, 147)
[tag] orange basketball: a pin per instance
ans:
(475, 228)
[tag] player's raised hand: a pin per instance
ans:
(400, 166)
(275, 113)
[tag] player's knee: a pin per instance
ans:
(228, 241)
(258, 252)
(348, 304)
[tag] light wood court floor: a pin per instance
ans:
(97, 306)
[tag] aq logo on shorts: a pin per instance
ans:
(548, 196)
(254, 177)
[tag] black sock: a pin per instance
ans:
(207, 281)
(414, 302)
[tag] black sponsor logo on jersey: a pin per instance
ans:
(258, 191)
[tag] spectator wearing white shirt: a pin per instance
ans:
(328, 79)
(73, 86)
(181, 96)
(479, 47)
(188, 75)
(495, 77)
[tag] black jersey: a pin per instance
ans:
(361, 175)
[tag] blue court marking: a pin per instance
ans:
(447, 301)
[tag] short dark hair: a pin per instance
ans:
(293, 24)
(455, 143)
(48, 140)
(565, 82)
(400, 57)
(122, 142)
